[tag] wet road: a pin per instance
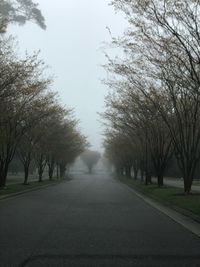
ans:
(91, 221)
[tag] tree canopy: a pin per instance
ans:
(90, 158)
(34, 125)
(19, 11)
(155, 84)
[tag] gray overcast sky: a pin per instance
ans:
(71, 45)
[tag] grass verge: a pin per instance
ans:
(167, 195)
(19, 187)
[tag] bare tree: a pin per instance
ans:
(132, 115)
(90, 158)
(47, 112)
(15, 107)
(162, 60)
(64, 143)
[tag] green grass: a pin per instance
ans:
(171, 196)
(19, 187)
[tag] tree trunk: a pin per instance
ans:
(160, 180)
(142, 175)
(57, 171)
(135, 173)
(148, 178)
(51, 169)
(187, 184)
(188, 175)
(51, 166)
(90, 169)
(41, 163)
(62, 170)
(26, 174)
(40, 173)
(160, 164)
(128, 171)
(3, 174)
(26, 171)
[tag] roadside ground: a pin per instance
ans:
(170, 196)
(178, 182)
(15, 185)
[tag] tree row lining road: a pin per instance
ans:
(178, 183)
(91, 221)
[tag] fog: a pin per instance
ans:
(72, 48)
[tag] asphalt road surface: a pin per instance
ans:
(92, 220)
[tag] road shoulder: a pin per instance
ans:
(188, 222)
(23, 189)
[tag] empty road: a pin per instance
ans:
(92, 220)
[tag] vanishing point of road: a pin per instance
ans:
(92, 220)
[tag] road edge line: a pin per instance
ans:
(176, 216)
(13, 195)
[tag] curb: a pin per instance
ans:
(183, 211)
(12, 195)
(188, 222)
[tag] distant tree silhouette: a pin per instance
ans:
(90, 158)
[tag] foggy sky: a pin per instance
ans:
(76, 30)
